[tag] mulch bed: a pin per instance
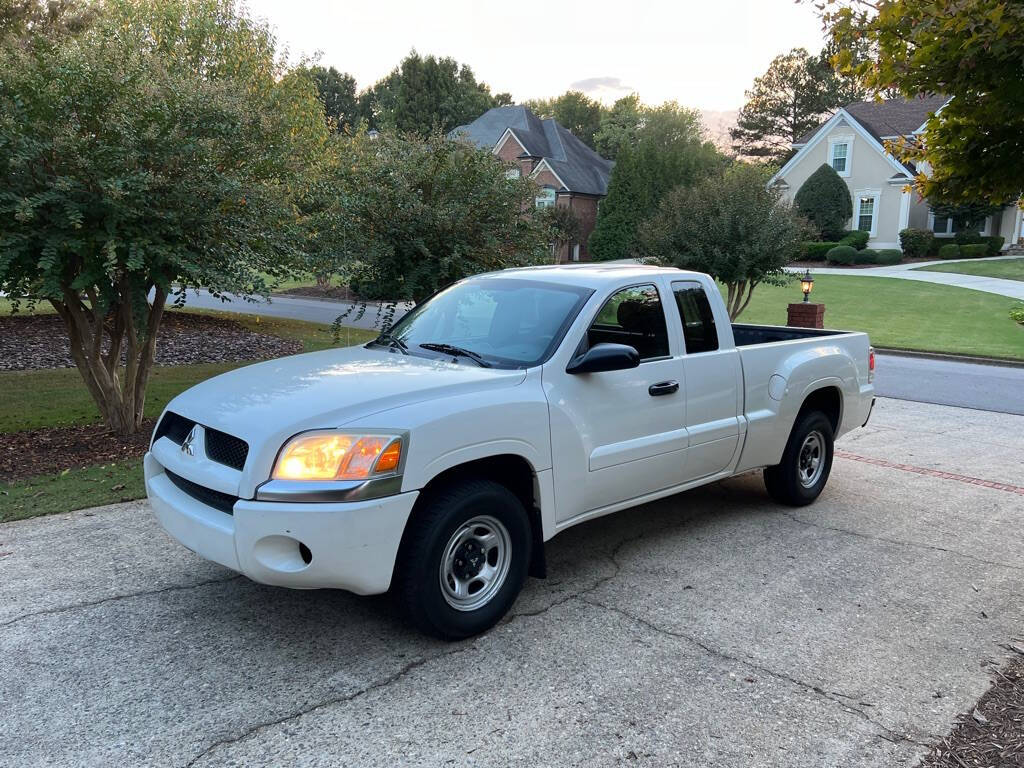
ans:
(51, 450)
(39, 341)
(991, 734)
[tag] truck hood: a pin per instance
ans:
(266, 403)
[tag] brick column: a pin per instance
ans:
(806, 315)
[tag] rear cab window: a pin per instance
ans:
(697, 317)
(632, 316)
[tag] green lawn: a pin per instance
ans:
(53, 398)
(903, 314)
(1007, 269)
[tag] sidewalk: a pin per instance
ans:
(1014, 289)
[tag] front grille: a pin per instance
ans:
(174, 427)
(225, 502)
(220, 446)
(226, 449)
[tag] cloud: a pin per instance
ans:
(609, 88)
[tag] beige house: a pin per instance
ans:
(852, 142)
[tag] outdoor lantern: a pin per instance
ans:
(806, 283)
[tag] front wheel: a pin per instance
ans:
(463, 559)
(800, 477)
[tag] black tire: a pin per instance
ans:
(431, 530)
(787, 481)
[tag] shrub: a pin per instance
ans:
(1017, 314)
(889, 256)
(968, 237)
(858, 238)
(995, 244)
(916, 243)
(825, 200)
(949, 251)
(815, 251)
(866, 256)
(841, 254)
(974, 251)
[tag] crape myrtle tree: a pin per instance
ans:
(151, 151)
(406, 216)
(733, 227)
(970, 50)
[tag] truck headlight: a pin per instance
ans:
(338, 456)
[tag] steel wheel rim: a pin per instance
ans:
(811, 459)
(475, 563)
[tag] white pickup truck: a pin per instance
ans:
(436, 460)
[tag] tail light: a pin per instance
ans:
(871, 364)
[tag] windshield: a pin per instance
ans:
(507, 323)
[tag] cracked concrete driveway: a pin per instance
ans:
(713, 628)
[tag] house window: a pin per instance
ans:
(546, 198)
(839, 157)
(513, 173)
(947, 226)
(866, 214)
(865, 210)
(840, 154)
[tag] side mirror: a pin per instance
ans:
(605, 357)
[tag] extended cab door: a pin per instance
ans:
(714, 379)
(617, 435)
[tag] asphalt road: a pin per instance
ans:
(709, 629)
(967, 385)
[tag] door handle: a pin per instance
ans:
(663, 388)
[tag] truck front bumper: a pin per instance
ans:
(343, 545)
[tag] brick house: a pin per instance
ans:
(567, 172)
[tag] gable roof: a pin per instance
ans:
(889, 118)
(579, 167)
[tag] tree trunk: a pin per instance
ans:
(119, 392)
(735, 301)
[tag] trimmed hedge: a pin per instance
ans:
(974, 251)
(857, 238)
(825, 200)
(841, 254)
(949, 251)
(866, 256)
(815, 251)
(995, 244)
(917, 243)
(889, 256)
(968, 237)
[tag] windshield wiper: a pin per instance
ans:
(451, 349)
(388, 340)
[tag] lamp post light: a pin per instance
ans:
(806, 284)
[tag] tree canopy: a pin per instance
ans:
(404, 217)
(792, 97)
(149, 151)
(667, 149)
(424, 94)
(577, 112)
(338, 93)
(970, 50)
(731, 226)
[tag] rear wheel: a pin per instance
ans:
(464, 558)
(800, 477)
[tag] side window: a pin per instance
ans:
(698, 320)
(632, 316)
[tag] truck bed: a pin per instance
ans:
(747, 335)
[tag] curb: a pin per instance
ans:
(975, 359)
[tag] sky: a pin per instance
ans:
(701, 54)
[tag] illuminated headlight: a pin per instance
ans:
(338, 456)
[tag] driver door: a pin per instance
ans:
(618, 435)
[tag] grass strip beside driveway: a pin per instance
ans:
(71, 489)
(1004, 269)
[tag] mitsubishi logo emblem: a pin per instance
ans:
(186, 445)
